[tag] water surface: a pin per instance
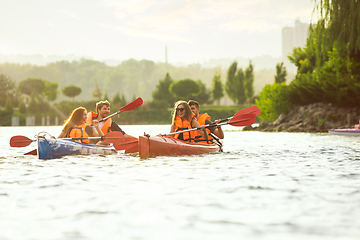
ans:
(263, 186)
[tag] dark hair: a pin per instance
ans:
(193, 102)
(188, 113)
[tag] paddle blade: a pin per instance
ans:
(113, 137)
(32, 152)
(243, 120)
(128, 144)
(20, 141)
(253, 109)
(131, 106)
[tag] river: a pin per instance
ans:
(263, 186)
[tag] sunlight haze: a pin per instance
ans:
(193, 31)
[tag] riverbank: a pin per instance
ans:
(316, 117)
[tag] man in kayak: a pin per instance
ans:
(204, 119)
(103, 111)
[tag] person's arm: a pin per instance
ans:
(172, 128)
(115, 127)
(202, 131)
(218, 131)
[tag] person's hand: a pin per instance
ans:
(95, 123)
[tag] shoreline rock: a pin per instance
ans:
(315, 117)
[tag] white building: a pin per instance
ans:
(293, 37)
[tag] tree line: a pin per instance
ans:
(328, 67)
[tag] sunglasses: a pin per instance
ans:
(180, 109)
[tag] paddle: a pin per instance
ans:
(251, 109)
(113, 137)
(131, 106)
(240, 120)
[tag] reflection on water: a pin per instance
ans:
(264, 186)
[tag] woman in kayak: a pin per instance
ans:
(75, 126)
(184, 119)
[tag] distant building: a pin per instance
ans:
(293, 37)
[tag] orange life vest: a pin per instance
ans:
(181, 125)
(79, 132)
(201, 120)
(107, 124)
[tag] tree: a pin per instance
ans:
(41, 88)
(97, 93)
(22, 107)
(116, 100)
(106, 97)
(32, 85)
(281, 73)
(122, 100)
(239, 87)
(8, 106)
(217, 88)
(71, 91)
(185, 89)
(33, 104)
(230, 84)
(162, 92)
(249, 82)
(7, 87)
(204, 97)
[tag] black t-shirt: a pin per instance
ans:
(114, 127)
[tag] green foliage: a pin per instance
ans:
(204, 97)
(33, 107)
(239, 84)
(281, 73)
(230, 84)
(41, 88)
(273, 100)
(71, 91)
(217, 88)
(7, 87)
(249, 82)
(32, 85)
(8, 106)
(97, 93)
(116, 100)
(22, 107)
(161, 94)
(185, 89)
(50, 91)
(123, 100)
(106, 97)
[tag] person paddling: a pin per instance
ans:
(184, 119)
(204, 119)
(75, 126)
(103, 111)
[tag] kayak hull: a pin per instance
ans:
(345, 132)
(57, 148)
(162, 145)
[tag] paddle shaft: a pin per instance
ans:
(131, 106)
(199, 128)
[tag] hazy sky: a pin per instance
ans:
(192, 30)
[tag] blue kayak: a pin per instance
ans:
(57, 148)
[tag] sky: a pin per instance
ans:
(193, 31)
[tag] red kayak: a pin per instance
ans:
(164, 145)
